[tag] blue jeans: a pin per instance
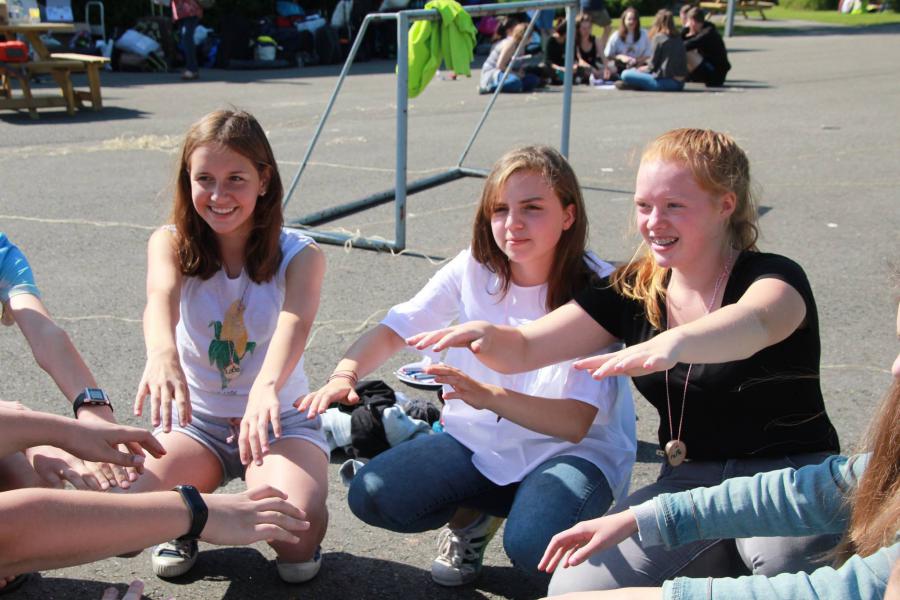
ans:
(649, 83)
(418, 485)
(186, 27)
(515, 84)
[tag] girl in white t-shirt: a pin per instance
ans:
(629, 46)
(539, 448)
(231, 296)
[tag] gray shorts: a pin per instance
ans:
(220, 436)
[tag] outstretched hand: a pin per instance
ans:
(474, 393)
(164, 382)
(338, 389)
(657, 354)
(259, 514)
(263, 408)
(465, 335)
(574, 545)
(99, 441)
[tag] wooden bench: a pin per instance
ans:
(86, 64)
(60, 67)
(743, 6)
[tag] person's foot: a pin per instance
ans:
(189, 75)
(461, 551)
(621, 85)
(300, 572)
(174, 558)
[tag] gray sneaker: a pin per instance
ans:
(174, 558)
(461, 551)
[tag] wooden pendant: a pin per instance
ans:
(676, 452)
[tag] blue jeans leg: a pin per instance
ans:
(649, 83)
(186, 27)
(418, 485)
(557, 494)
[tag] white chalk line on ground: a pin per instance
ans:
(79, 222)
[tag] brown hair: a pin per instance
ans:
(719, 166)
(697, 14)
(623, 30)
(582, 18)
(875, 504)
(569, 271)
(663, 23)
(196, 244)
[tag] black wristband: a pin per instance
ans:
(199, 512)
(90, 397)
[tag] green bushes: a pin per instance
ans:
(810, 4)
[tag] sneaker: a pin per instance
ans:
(174, 558)
(461, 552)
(190, 75)
(302, 571)
(621, 85)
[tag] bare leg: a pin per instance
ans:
(16, 473)
(186, 461)
(299, 469)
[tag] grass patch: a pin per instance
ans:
(833, 17)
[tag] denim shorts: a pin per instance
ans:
(220, 436)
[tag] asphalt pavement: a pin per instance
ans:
(815, 109)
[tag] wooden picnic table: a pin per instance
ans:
(58, 66)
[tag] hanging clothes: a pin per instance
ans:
(452, 40)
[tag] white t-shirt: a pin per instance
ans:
(221, 355)
(464, 290)
(628, 47)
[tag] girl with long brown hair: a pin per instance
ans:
(538, 448)
(721, 338)
(629, 46)
(231, 298)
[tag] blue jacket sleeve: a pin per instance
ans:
(857, 579)
(788, 502)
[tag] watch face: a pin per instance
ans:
(96, 395)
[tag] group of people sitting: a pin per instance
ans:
(721, 338)
(661, 59)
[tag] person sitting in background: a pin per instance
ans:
(509, 36)
(596, 10)
(54, 352)
(629, 46)
(706, 53)
(667, 69)
(589, 59)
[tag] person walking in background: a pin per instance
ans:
(667, 69)
(187, 14)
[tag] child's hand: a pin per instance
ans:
(56, 466)
(338, 389)
(574, 545)
(263, 408)
(474, 393)
(465, 335)
(100, 442)
(655, 355)
(262, 513)
(163, 381)
(11, 405)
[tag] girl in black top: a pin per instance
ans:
(722, 339)
(702, 37)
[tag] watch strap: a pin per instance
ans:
(199, 513)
